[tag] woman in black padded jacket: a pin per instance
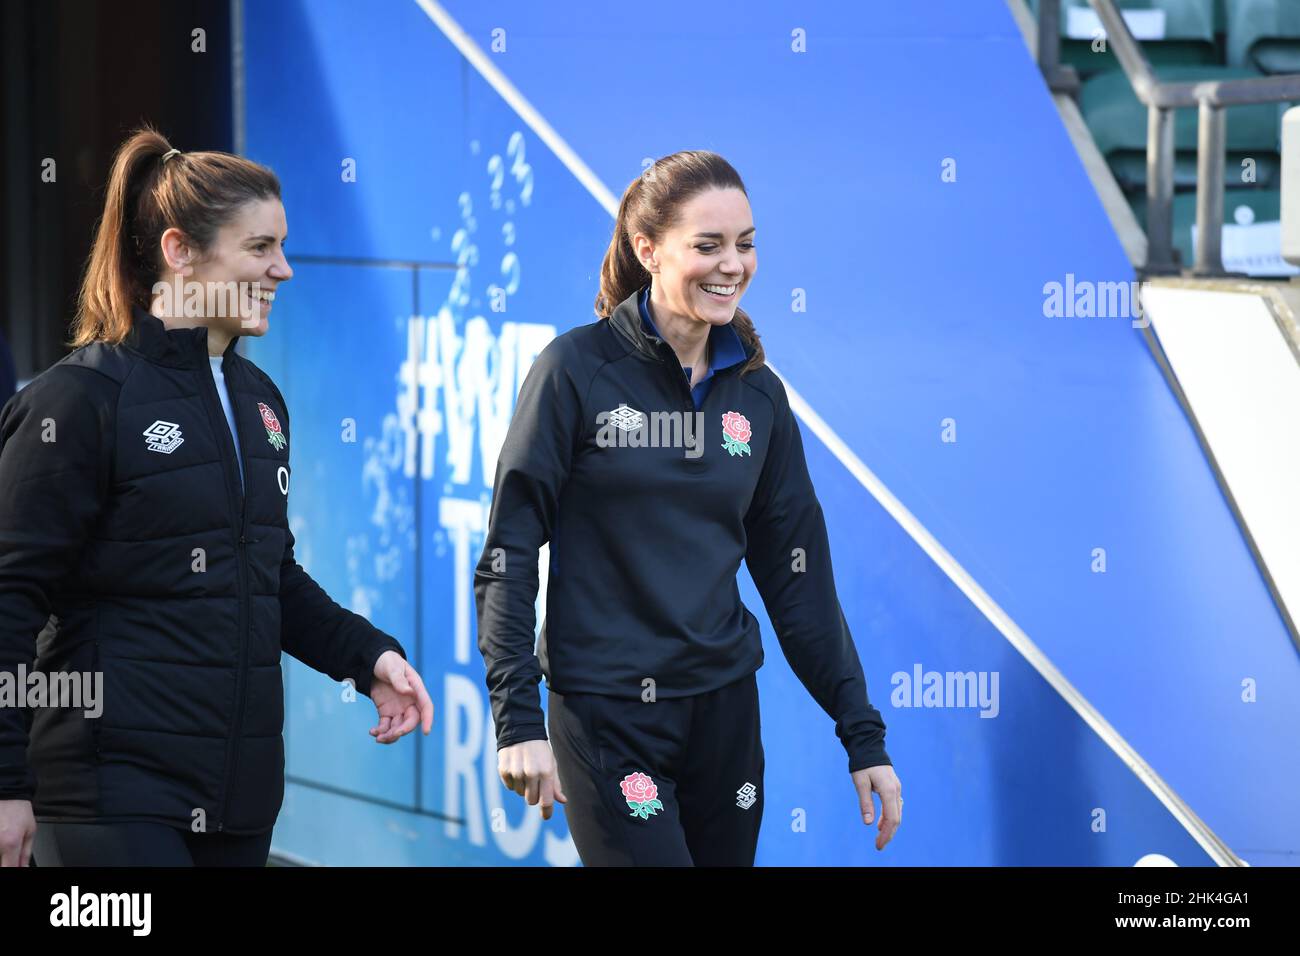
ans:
(144, 484)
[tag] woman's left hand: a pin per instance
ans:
(883, 781)
(400, 698)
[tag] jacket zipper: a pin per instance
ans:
(238, 510)
(684, 386)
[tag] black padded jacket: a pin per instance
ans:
(128, 541)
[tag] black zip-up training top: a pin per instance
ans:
(649, 511)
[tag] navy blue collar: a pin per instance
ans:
(725, 347)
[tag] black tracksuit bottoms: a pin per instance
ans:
(673, 782)
(144, 844)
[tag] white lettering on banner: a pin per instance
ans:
(470, 745)
(462, 518)
(437, 447)
(463, 745)
(476, 379)
(455, 397)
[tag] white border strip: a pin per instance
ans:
(1213, 846)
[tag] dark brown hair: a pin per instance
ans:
(196, 193)
(651, 205)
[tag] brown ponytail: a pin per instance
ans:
(197, 193)
(650, 205)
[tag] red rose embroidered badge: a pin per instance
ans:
(273, 433)
(735, 433)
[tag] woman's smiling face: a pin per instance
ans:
(703, 264)
(247, 250)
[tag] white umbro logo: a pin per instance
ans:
(746, 796)
(163, 437)
(628, 419)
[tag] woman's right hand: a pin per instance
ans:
(17, 831)
(528, 768)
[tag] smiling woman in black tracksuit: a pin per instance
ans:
(144, 484)
(654, 450)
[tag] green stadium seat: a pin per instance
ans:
(1264, 34)
(1118, 122)
(1171, 32)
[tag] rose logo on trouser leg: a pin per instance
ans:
(640, 792)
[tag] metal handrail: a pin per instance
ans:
(1161, 99)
